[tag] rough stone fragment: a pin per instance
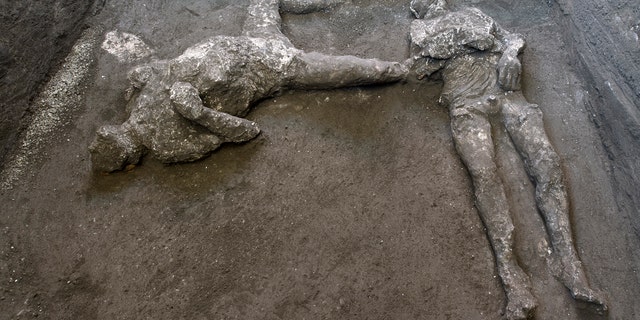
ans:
(125, 46)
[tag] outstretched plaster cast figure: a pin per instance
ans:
(479, 66)
(184, 108)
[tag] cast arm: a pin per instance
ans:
(509, 66)
(187, 102)
(424, 67)
(315, 70)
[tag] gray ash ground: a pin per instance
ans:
(352, 204)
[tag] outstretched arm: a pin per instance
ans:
(187, 102)
(319, 71)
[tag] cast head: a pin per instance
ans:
(428, 8)
(114, 148)
(139, 76)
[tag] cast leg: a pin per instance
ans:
(264, 21)
(472, 137)
(525, 126)
(187, 102)
(318, 71)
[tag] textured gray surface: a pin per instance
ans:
(603, 36)
(36, 36)
(479, 65)
(351, 204)
(230, 75)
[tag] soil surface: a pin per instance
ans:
(35, 37)
(351, 204)
(604, 38)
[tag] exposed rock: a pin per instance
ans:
(125, 46)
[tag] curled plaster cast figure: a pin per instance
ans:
(184, 108)
(479, 66)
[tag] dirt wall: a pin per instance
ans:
(603, 36)
(35, 37)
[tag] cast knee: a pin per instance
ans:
(472, 137)
(544, 165)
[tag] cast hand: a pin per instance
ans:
(509, 70)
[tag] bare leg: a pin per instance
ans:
(525, 126)
(472, 136)
(230, 128)
(318, 71)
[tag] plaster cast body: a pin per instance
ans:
(478, 63)
(184, 108)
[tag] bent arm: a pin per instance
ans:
(187, 102)
(512, 43)
(424, 67)
(509, 66)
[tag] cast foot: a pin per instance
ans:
(594, 298)
(520, 302)
(520, 305)
(575, 280)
